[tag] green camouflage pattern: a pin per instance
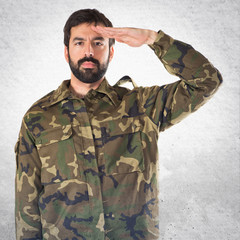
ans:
(87, 168)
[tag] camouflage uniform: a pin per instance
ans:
(87, 168)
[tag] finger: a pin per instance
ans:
(108, 30)
(101, 31)
(107, 34)
(114, 29)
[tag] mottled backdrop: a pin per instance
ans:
(199, 157)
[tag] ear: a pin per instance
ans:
(66, 54)
(111, 53)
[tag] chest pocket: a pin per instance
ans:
(57, 154)
(121, 143)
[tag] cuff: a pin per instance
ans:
(161, 44)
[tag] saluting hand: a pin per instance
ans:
(134, 37)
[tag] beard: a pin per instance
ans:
(88, 75)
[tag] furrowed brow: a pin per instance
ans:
(83, 39)
(78, 39)
(99, 38)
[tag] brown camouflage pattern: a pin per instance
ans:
(87, 168)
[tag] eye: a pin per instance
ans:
(79, 43)
(98, 43)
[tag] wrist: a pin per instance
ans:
(152, 37)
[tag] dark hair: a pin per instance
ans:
(85, 16)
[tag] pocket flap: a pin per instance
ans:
(54, 135)
(118, 127)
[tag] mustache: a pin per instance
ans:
(88, 59)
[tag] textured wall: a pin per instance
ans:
(199, 157)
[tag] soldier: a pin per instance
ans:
(87, 152)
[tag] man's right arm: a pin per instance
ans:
(27, 187)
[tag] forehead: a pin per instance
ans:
(84, 30)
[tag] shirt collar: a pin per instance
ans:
(63, 92)
(108, 90)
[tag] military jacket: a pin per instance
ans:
(87, 168)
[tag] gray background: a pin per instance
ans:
(199, 157)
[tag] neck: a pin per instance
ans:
(80, 89)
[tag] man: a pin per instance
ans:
(87, 152)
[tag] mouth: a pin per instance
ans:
(88, 64)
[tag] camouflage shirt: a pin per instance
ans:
(87, 168)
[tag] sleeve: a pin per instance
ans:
(199, 80)
(27, 187)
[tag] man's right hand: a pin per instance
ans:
(134, 37)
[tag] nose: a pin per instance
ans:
(89, 50)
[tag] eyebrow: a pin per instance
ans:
(83, 39)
